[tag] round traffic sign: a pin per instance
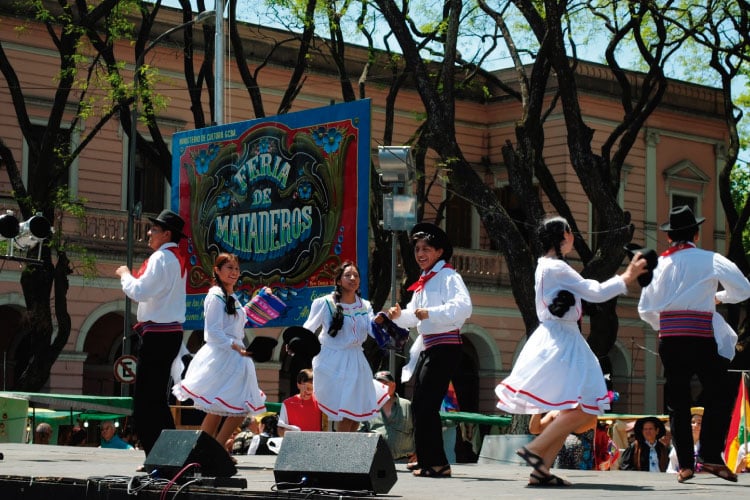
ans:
(125, 369)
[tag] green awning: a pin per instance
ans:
(120, 406)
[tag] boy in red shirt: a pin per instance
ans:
(300, 412)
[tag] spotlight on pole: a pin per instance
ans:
(24, 235)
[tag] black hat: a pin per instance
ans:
(681, 217)
(170, 221)
(661, 429)
(384, 376)
(261, 348)
(652, 260)
(301, 341)
(436, 238)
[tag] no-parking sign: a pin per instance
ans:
(125, 369)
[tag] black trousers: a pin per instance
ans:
(151, 397)
(682, 358)
(435, 368)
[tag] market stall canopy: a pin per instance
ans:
(119, 406)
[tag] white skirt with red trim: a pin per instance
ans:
(556, 370)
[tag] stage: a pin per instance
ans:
(68, 473)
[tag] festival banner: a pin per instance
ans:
(289, 195)
(737, 437)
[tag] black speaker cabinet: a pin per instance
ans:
(350, 461)
(177, 448)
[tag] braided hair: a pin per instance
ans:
(551, 233)
(337, 321)
(222, 259)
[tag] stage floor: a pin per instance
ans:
(56, 470)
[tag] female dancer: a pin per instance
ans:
(438, 309)
(556, 369)
(342, 379)
(221, 378)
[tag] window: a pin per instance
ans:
(149, 185)
(458, 220)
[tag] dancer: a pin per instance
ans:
(159, 288)
(221, 378)
(556, 369)
(680, 303)
(342, 379)
(439, 307)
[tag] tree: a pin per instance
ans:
(52, 153)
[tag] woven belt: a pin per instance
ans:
(685, 324)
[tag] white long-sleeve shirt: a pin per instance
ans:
(160, 290)
(688, 280)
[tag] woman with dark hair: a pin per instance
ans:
(342, 378)
(557, 370)
(438, 309)
(221, 378)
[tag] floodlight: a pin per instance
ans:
(32, 231)
(396, 164)
(8, 226)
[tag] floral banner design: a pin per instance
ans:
(289, 195)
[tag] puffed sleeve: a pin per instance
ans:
(213, 313)
(320, 315)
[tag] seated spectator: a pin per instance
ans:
(394, 421)
(696, 419)
(249, 428)
(268, 429)
(77, 437)
(110, 439)
(42, 433)
(578, 449)
(301, 412)
(646, 453)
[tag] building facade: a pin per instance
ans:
(676, 160)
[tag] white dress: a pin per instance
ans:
(220, 380)
(342, 379)
(557, 369)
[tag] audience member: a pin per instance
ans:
(394, 422)
(301, 412)
(77, 436)
(696, 419)
(110, 439)
(241, 443)
(577, 451)
(42, 433)
(647, 453)
(268, 429)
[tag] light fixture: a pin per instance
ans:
(396, 164)
(86, 424)
(24, 235)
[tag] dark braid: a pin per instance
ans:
(337, 321)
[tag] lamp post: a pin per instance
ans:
(202, 16)
(396, 171)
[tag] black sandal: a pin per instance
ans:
(444, 471)
(548, 481)
(720, 470)
(534, 461)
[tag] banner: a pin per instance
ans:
(289, 195)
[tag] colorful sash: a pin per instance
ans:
(686, 324)
(144, 327)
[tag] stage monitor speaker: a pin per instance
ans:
(177, 448)
(351, 461)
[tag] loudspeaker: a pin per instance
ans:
(350, 461)
(177, 448)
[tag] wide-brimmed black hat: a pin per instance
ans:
(301, 341)
(661, 429)
(652, 260)
(171, 221)
(436, 237)
(681, 217)
(261, 348)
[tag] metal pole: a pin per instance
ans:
(131, 170)
(394, 291)
(219, 64)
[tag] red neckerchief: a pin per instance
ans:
(418, 285)
(677, 248)
(181, 258)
